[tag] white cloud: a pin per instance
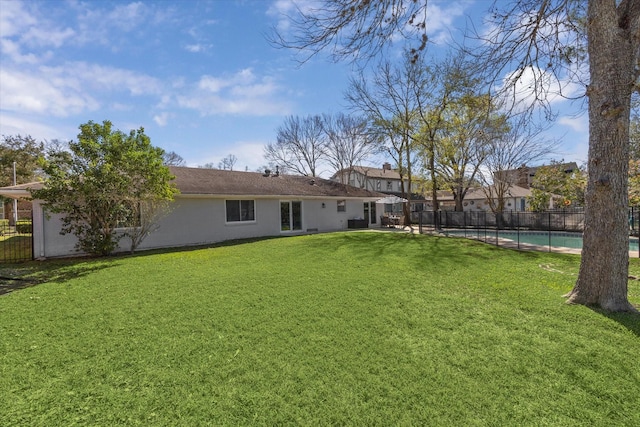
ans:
(162, 119)
(21, 29)
(48, 37)
(112, 27)
(216, 84)
(239, 93)
(121, 79)
(69, 89)
(196, 48)
(13, 125)
(440, 18)
(283, 10)
(526, 87)
(23, 92)
(12, 52)
(577, 124)
(14, 18)
(128, 16)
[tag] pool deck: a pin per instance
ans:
(504, 243)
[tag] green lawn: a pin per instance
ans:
(357, 328)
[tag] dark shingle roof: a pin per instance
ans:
(372, 173)
(233, 183)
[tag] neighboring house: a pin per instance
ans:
(23, 205)
(385, 180)
(24, 210)
(218, 205)
(516, 199)
(523, 176)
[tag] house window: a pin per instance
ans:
(342, 205)
(240, 210)
(129, 215)
(389, 186)
(378, 185)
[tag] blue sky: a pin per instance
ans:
(199, 76)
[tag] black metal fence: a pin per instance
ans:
(16, 241)
(487, 226)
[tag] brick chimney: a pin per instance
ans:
(386, 166)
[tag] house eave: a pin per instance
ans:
(272, 196)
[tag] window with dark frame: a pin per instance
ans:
(240, 210)
(129, 215)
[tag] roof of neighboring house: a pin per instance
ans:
(512, 191)
(233, 183)
(201, 181)
(479, 194)
(531, 170)
(376, 173)
(20, 191)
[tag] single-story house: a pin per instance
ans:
(218, 205)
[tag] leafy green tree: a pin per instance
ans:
(25, 152)
(437, 87)
(99, 184)
(566, 189)
(471, 122)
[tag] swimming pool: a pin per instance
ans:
(541, 238)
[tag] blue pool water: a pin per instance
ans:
(541, 238)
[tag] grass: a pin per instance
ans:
(354, 328)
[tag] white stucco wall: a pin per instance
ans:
(195, 221)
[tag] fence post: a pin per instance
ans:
(464, 222)
(549, 228)
(518, 227)
(484, 216)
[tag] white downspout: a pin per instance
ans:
(38, 231)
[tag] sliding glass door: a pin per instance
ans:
(290, 216)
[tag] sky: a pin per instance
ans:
(199, 76)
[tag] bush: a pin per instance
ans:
(4, 223)
(23, 226)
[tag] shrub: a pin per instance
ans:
(23, 226)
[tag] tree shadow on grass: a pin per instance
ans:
(18, 276)
(631, 321)
(26, 275)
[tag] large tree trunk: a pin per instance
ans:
(602, 280)
(458, 197)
